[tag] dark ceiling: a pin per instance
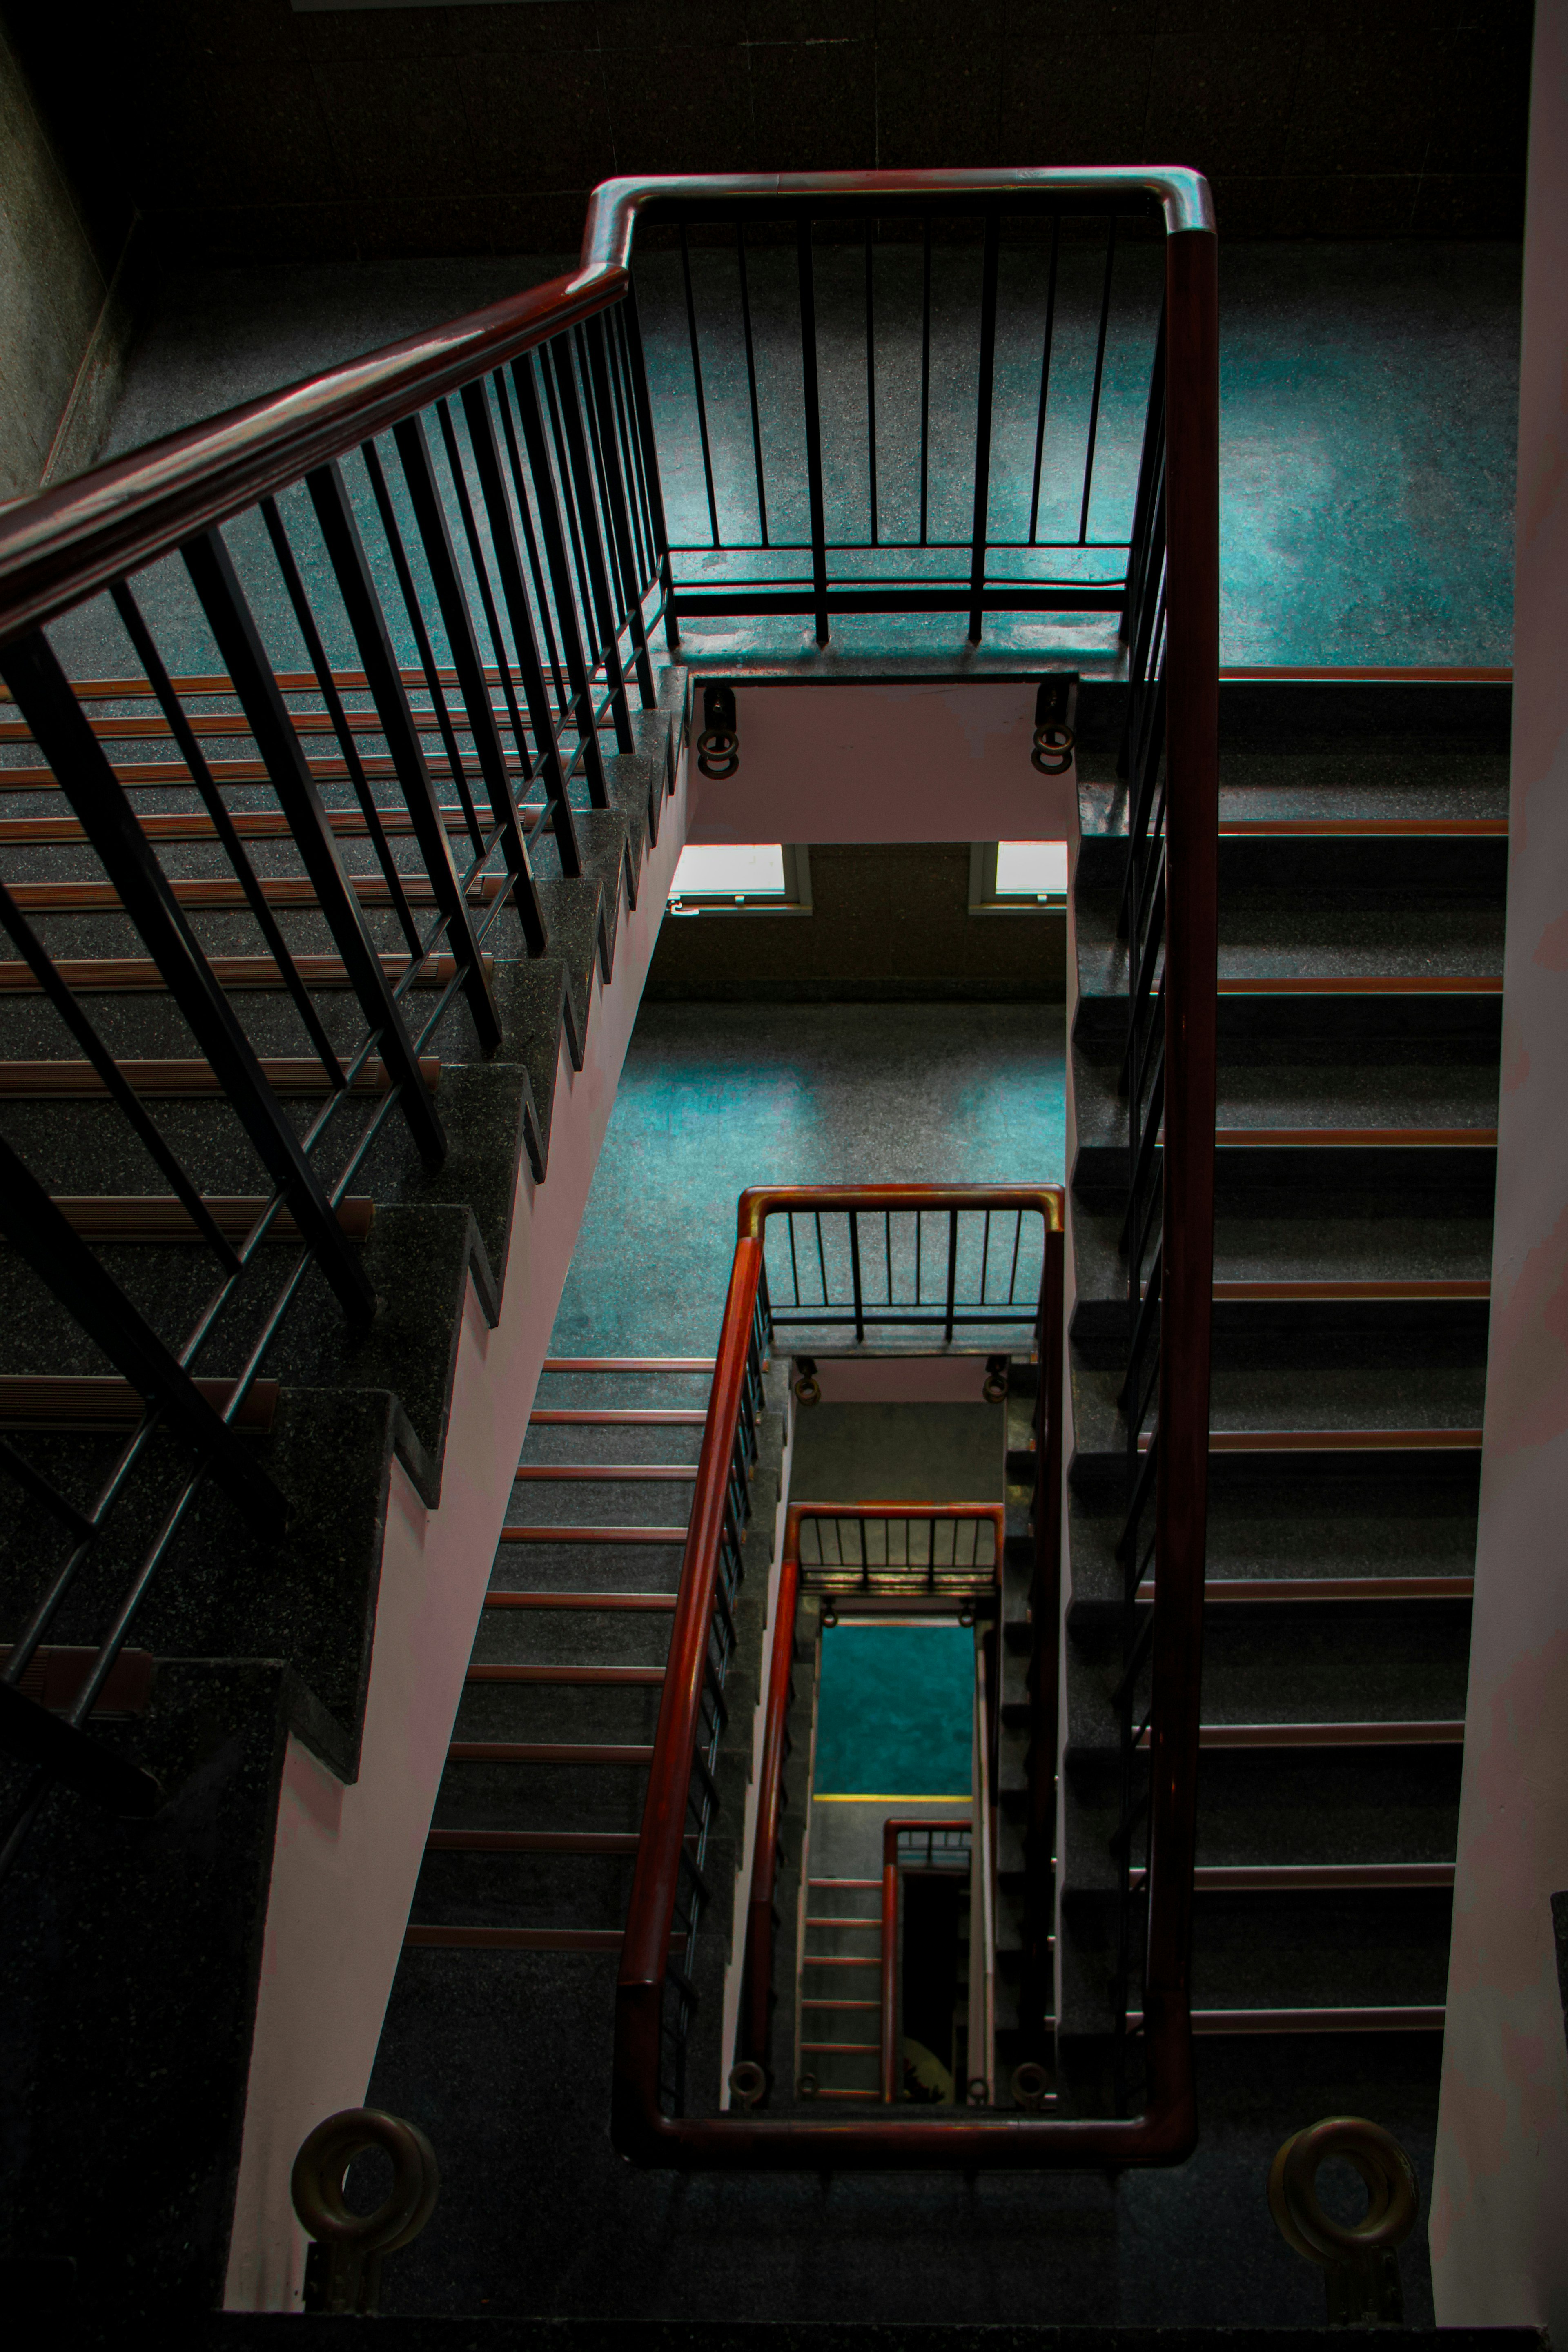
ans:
(242, 130)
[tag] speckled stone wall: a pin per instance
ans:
(63, 339)
(245, 129)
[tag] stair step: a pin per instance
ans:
(1389, 1733)
(514, 1939)
(542, 1751)
(140, 975)
(1318, 2020)
(158, 1217)
(1307, 1293)
(1307, 1589)
(593, 1535)
(73, 1401)
(1364, 984)
(634, 1470)
(285, 1074)
(56, 1672)
(286, 890)
(628, 1363)
(1331, 827)
(1312, 1878)
(583, 1601)
(1344, 1441)
(580, 1842)
(612, 1677)
(614, 1417)
(249, 824)
(1351, 1139)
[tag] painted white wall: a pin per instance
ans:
(1500, 2249)
(346, 1858)
(918, 762)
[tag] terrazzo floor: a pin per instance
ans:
(715, 1096)
(1369, 401)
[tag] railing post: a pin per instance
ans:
(813, 425)
(1187, 1253)
(984, 393)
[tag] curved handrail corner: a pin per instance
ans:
(610, 228)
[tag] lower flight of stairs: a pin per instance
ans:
(527, 1870)
(1362, 860)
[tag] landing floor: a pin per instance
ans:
(1369, 408)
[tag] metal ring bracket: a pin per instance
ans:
(343, 2271)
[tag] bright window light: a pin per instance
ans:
(1030, 870)
(752, 869)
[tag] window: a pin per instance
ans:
(1017, 877)
(753, 878)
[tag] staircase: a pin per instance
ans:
(245, 1647)
(1362, 858)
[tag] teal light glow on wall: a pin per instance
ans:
(897, 1710)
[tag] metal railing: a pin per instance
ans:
(1169, 924)
(652, 2006)
(947, 1845)
(447, 560)
(902, 393)
(839, 1270)
(897, 1552)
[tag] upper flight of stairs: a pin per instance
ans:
(1362, 861)
(238, 1641)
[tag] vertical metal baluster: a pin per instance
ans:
(631, 456)
(430, 519)
(865, 1556)
(1151, 477)
(244, 657)
(951, 1269)
(316, 651)
(697, 382)
(751, 383)
(345, 552)
(561, 576)
(916, 1258)
(1017, 1239)
(482, 578)
(888, 1249)
(985, 1256)
(925, 374)
(202, 776)
(60, 728)
(821, 1259)
(536, 570)
(1044, 375)
(400, 565)
(638, 376)
(509, 562)
(794, 1266)
(984, 390)
(813, 425)
(871, 383)
(855, 1275)
(617, 505)
(587, 609)
(1098, 380)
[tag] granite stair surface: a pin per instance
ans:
(117, 1935)
(1361, 869)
